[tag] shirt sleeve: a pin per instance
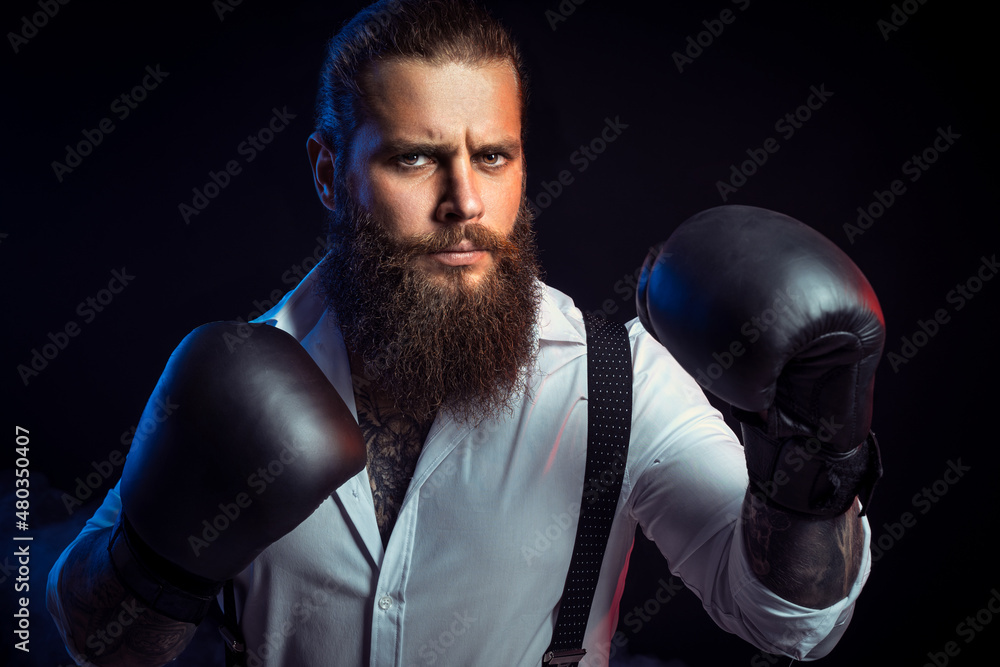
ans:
(104, 517)
(690, 480)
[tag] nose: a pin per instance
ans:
(462, 200)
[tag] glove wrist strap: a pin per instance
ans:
(156, 582)
(798, 475)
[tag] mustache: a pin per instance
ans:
(480, 236)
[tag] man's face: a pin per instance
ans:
(432, 270)
(441, 148)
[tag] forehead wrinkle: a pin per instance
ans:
(402, 102)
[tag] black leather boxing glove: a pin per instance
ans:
(258, 440)
(775, 319)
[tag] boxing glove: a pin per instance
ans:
(259, 438)
(775, 319)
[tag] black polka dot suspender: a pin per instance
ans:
(609, 418)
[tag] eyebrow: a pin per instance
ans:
(509, 147)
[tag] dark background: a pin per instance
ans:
(118, 210)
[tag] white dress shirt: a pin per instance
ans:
(476, 562)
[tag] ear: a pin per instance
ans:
(321, 161)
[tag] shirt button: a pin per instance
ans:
(384, 602)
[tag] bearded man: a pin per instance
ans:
(389, 464)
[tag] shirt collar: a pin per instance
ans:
(559, 320)
(301, 308)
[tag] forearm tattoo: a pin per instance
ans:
(812, 562)
(109, 626)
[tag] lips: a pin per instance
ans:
(460, 254)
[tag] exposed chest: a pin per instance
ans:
(393, 442)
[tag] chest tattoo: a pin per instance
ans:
(393, 442)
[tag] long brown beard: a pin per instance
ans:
(432, 345)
